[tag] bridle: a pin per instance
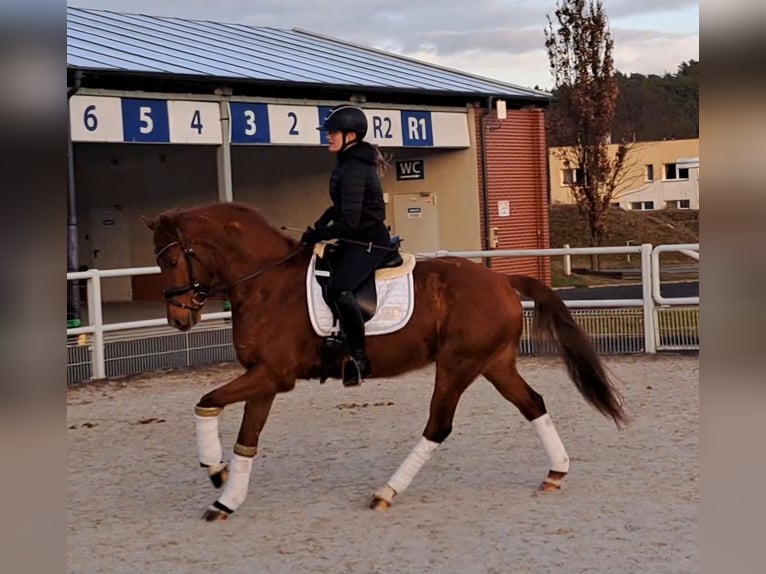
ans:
(201, 291)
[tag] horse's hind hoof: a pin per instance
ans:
(549, 486)
(383, 498)
(379, 504)
(552, 482)
(215, 515)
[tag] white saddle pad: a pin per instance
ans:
(396, 301)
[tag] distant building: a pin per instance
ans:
(658, 175)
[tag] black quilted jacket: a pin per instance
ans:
(357, 210)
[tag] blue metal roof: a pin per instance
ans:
(104, 40)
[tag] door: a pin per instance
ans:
(416, 221)
(110, 246)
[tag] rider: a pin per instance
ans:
(357, 216)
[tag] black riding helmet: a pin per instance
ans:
(345, 119)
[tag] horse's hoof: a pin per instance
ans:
(219, 478)
(378, 503)
(552, 482)
(383, 498)
(214, 515)
(549, 485)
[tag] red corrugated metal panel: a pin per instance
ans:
(517, 173)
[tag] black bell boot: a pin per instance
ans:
(352, 322)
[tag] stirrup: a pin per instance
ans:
(354, 373)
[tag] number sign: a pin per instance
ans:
(195, 122)
(145, 121)
(114, 119)
(384, 127)
(416, 129)
(249, 123)
(95, 119)
(293, 124)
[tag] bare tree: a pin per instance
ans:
(579, 49)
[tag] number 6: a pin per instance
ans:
(89, 118)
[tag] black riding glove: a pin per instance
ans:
(311, 236)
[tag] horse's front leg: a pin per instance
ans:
(258, 391)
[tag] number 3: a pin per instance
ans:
(250, 121)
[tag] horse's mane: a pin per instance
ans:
(225, 212)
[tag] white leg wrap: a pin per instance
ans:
(235, 489)
(208, 442)
(552, 444)
(412, 464)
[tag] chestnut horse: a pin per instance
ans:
(467, 319)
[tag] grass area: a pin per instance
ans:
(568, 226)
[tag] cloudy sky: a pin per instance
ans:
(499, 39)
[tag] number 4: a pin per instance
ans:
(196, 122)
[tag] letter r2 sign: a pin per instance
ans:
(410, 169)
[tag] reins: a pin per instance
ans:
(368, 244)
(255, 274)
(200, 291)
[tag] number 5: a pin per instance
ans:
(147, 124)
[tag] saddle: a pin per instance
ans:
(385, 298)
(366, 294)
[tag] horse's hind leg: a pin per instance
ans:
(451, 382)
(503, 374)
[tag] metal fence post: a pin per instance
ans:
(650, 343)
(567, 262)
(96, 319)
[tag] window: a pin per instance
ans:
(679, 204)
(673, 172)
(649, 171)
(641, 205)
(571, 176)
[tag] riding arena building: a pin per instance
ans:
(168, 112)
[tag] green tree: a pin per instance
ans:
(579, 49)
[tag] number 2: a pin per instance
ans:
(293, 131)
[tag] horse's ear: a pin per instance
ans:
(151, 224)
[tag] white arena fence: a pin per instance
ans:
(647, 324)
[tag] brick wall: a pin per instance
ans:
(517, 172)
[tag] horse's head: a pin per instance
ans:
(187, 281)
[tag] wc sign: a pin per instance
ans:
(410, 169)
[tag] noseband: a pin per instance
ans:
(200, 291)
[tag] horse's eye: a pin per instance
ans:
(167, 262)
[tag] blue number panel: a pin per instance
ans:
(249, 123)
(145, 121)
(417, 129)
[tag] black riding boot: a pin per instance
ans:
(352, 322)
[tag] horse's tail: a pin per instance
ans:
(553, 320)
